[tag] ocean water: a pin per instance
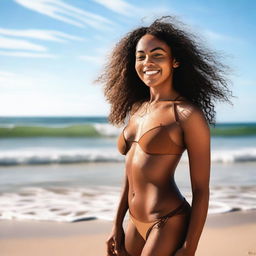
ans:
(69, 169)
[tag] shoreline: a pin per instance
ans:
(231, 233)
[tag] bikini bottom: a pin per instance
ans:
(144, 228)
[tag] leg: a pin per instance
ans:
(134, 242)
(166, 240)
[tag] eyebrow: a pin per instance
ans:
(157, 48)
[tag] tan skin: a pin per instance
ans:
(149, 202)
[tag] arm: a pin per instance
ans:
(115, 241)
(197, 139)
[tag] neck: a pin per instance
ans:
(162, 92)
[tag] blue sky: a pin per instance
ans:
(52, 50)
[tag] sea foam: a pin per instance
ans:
(48, 155)
(100, 202)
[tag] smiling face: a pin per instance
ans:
(154, 62)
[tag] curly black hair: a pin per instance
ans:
(200, 78)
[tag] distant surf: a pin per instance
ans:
(63, 140)
(31, 156)
(92, 127)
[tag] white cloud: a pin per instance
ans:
(27, 54)
(48, 35)
(13, 44)
(58, 10)
(9, 43)
(118, 6)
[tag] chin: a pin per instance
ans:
(151, 83)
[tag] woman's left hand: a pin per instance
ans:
(183, 252)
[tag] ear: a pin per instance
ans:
(175, 64)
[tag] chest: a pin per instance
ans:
(156, 133)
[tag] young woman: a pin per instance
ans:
(165, 84)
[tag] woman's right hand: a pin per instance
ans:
(115, 242)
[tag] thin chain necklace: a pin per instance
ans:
(147, 108)
(167, 99)
(150, 102)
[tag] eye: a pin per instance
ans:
(141, 57)
(158, 55)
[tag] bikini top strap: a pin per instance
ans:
(176, 116)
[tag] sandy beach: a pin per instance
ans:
(228, 234)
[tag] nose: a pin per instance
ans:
(148, 60)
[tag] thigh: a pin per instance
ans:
(134, 242)
(166, 240)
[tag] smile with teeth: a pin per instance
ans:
(151, 72)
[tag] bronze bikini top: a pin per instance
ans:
(155, 141)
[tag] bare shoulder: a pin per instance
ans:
(186, 109)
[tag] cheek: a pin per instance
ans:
(167, 67)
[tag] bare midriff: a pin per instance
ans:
(152, 188)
